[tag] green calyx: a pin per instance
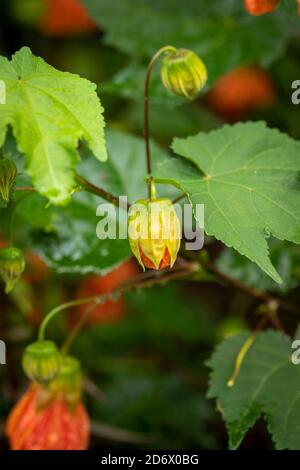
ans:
(8, 174)
(12, 264)
(42, 361)
(68, 382)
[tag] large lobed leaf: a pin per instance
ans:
(50, 111)
(284, 255)
(246, 177)
(267, 385)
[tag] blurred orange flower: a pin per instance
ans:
(260, 7)
(65, 17)
(38, 424)
(111, 310)
(241, 91)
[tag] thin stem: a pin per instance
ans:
(179, 198)
(25, 188)
(60, 308)
(77, 328)
(91, 188)
(93, 389)
(137, 283)
(245, 348)
(112, 433)
(254, 292)
(152, 188)
(141, 281)
(146, 104)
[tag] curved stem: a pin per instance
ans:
(60, 308)
(146, 104)
(142, 281)
(137, 283)
(78, 327)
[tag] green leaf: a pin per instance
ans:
(246, 177)
(225, 35)
(71, 245)
(50, 111)
(267, 385)
(285, 257)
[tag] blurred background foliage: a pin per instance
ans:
(144, 355)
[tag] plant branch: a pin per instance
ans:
(254, 292)
(113, 433)
(179, 198)
(93, 389)
(25, 188)
(91, 188)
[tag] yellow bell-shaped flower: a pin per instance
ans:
(154, 233)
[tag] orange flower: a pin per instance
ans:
(111, 310)
(260, 7)
(64, 17)
(240, 91)
(52, 426)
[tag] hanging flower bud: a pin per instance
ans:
(8, 174)
(41, 361)
(260, 7)
(154, 233)
(183, 73)
(12, 264)
(44, 419)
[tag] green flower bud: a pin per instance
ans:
(12, 264)
(183, 73)
(41, 361)
(154, 233)
(68, 381)
(8, 174)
